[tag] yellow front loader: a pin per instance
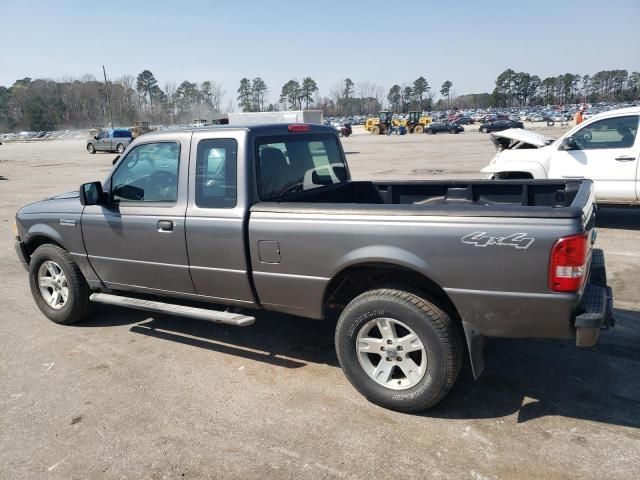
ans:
(416, 122)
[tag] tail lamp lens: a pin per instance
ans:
(568, 263)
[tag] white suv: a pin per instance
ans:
(604, 148)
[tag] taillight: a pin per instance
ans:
(299, 128)
(568, 265)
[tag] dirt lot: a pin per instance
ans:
(130, 395)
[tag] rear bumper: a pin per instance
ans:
(595, 311)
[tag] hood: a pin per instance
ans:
(65, 196)
(63, 203)
(519, 138)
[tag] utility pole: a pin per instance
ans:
(106, 86)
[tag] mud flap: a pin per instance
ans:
(475, 344)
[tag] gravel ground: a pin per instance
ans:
(133, 395)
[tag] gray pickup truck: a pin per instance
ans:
(216, 223)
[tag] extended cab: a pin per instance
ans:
(605, 148)
(215, 223)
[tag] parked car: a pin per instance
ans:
(441, 127)
(465, 121)
(344, 130)
(560, 117)
(604, 148)
(244, 219)
(499, 125)
(110, 140)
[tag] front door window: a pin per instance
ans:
(149, 173)
(619, 132)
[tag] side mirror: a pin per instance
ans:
(318, 179)
(95, 137)
(568, 143)
(91, 193)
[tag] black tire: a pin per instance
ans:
(439, 335)
(429, 131)
(90, 148)
(78, 304)
(346, 134)
(120, 148)
(453, 130)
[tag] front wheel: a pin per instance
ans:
(91, 149)
(418, 129)
(57, 285)
(398, 350)
(429, 131)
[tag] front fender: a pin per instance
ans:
(44, 230)
(534, 168)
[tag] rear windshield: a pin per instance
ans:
(294, 163)
(122, 134)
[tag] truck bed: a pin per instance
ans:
(519, 198)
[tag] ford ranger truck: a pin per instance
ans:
(219, 223)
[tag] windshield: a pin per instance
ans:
(295, 163)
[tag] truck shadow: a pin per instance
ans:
(533, 378)
(539, 378)
(622, 217)
(276, 339)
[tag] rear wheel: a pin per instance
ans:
(120, 148)
(398, 350)
(90, 148)
(430, 132)
(453, 130)
(57, 285)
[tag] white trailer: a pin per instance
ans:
(289, 116)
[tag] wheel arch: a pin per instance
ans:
(40, 235)
(358, 278)
(533, 170)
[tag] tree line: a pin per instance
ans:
(43, 104)
(47, 104)
(521, 88)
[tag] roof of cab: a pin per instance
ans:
(269, 128)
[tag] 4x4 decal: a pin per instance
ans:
(481, 239)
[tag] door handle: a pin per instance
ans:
(625, 159)
(165, 226)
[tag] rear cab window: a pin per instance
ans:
(295, 163)
(216, 173)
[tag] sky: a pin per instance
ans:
(385, 42)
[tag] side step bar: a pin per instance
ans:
(171, 309)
